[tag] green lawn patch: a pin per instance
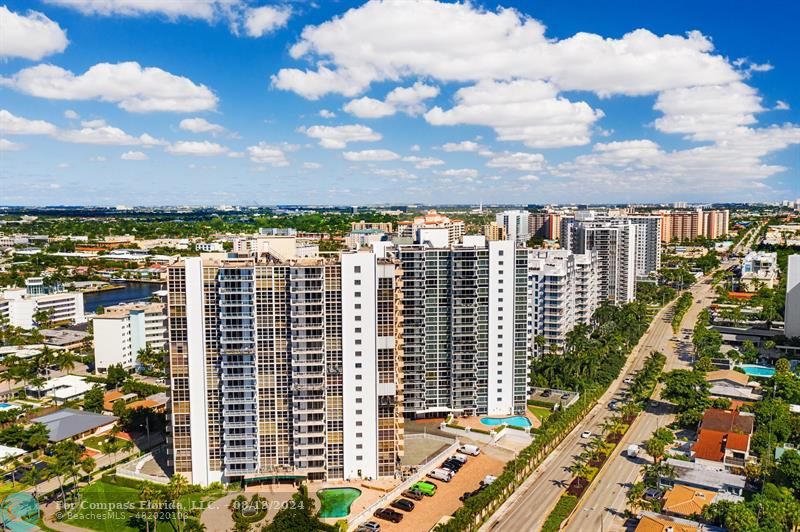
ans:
(540, 412)
(96, 442)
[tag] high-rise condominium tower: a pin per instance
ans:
(285, 368)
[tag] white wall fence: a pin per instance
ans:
(367, 512)
(131, 470)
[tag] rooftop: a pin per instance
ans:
(687, 501)
(67, 423)
(727, 374)
(728, 421)
(700, 475)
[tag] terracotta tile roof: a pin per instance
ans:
(738, 442)
(727, 421)
(657, 524)
(727, 374)
(710, 445)
(686, 501)
(144, 403)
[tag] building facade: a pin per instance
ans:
(792, 313)
(285, 368)
(431, 222)
(122, 331)
(516, 224)
(464, 328)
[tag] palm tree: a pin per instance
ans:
(65, 360)
(580, 469)
(87, 466)
(176, 488)
(146, 495)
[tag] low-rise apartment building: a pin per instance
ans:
(122, 331)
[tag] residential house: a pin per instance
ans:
(723, 438)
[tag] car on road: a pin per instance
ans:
(425, 487)
(586, 434)
(387, 514)
(403, 504)
(472, 450)
(412, 493)
(369, 526)
(632, 451)
(612, 405)
(441, 474)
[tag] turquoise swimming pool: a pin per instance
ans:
(754, 370)
(516, 421)
(335, 502)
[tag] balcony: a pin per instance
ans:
(233, 460)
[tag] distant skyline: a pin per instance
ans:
(209, 102)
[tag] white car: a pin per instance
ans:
(586, 434)
(472, 450)
(628, 380)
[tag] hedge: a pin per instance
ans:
(543, 404)
(563, 507)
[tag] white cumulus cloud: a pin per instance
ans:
(521, 161)
(264, 153)
(30, 36)
(464, 145)
(406, 99)
(201, 148)
(423, 162)
(200, 125)
(259, 21)
(337, 137)
(133, 87)
(7, 145)
(133, 156)
(370, 155)
(11, 124)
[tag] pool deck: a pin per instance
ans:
(371, 491)
(474, 422)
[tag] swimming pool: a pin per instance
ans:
(754, 370)
(7, 406)
(516, 421)
(335, 502)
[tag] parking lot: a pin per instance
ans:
(428, 511)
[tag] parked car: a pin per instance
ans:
(565, 396)
(488, 479)
(628, 380)
(412, 493)
(369, 526)
(452, 465)
(425, 487)
(472, 450)
(470, 494)
(387, 514)
(441, 474)
(459, 458)
(586, 434)
(547, 393)
(403, 504)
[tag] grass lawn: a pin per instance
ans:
(96, 442)
(104, 495)
(540, 412)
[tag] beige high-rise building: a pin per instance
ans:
(688, 225)
(492, 231)
(432, 220)
(285, 369)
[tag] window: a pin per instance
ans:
(500, 252)
(358, 330)
(358, 341)
(358, 318)
(357, 282)
(356, 269)
(359, 457)
(358, 306)
(358, 365)
(359, 412)
(359, 434)
(359, 388)
(358, 353)
(359, 400)
(359, 446)
(359, 423)
(357, 294)
(499, 381)
(358, 377)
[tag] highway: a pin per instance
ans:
(603, 504)
(530, 505)
(606, 497)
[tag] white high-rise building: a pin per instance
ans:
(516, 224)
(619, 256)
(122, 331)
(792, 312)
(464, 327)
(562, 292)
(285, 368)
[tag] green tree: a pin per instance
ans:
(93, 400)
(788, 471)
(298, 516)
(115, 376)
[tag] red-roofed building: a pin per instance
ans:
(723, 438)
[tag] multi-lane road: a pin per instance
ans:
(606, 498)
(529, 506)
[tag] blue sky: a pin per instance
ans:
(233, 102)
